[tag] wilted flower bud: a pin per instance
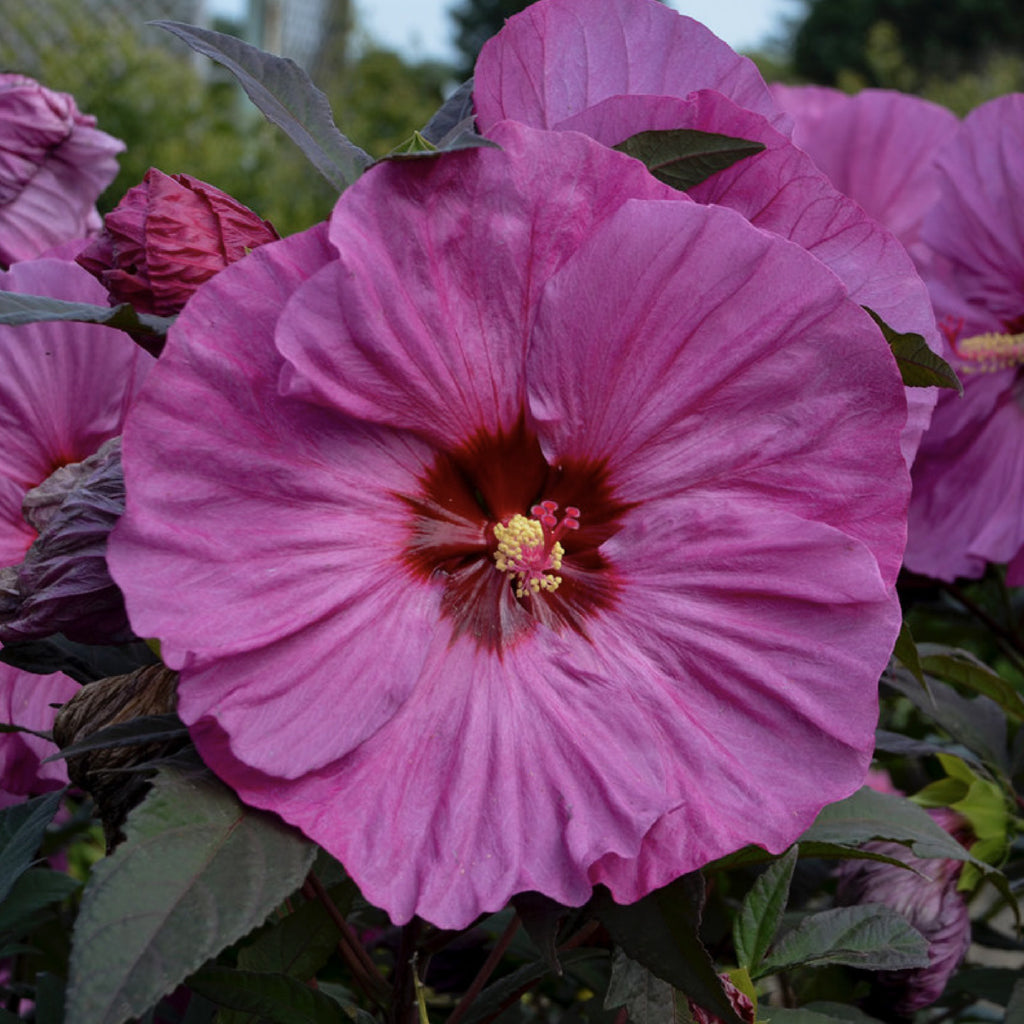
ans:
(927, 897)
(53, 165)
(106, 773)
(63, 585)
(166, 237)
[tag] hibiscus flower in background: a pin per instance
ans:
(969, 477)
(538, 528)
(878, 147)
(168, 235)
(64, 391)
(54, 163)
(640, 66)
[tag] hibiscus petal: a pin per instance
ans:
(405, 358)
(743, 398)
(555, 59)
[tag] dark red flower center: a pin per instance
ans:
(486, 522)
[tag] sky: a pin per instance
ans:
(421, 28)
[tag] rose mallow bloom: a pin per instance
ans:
(64, 391)
(54, 163)
(537, 529)
(878, 147)
(968, 504)
(629, 66)
(166, 237)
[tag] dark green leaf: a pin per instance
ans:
(995, 984)
(963, 668)
(661, 932)
(906, 652)
(495, 996)
(647, 998)
(197, 871)
(541, 917)
(815, 1013)
(684, 157)
(144, 729)
(871, 937)
(277, 998)
(841, 1011)
(21, 831)
(298, 944)
(85, 663)
(35, 890)
(17, 309)
(287, 96)
(977, 723)
(919, 366)
(1015, 1007)
(49, 998)
(756, 923)
(868, 815)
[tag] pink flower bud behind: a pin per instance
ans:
(166, 237)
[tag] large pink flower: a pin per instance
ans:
(634, 65)
(337, 476)
(54, 163)
(969, 480)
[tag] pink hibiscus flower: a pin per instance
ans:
(877, 147)
(54, 163)
(64, 391)
(538, 529)
(969, 479)
(635, 66)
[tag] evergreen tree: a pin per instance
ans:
(475, 22)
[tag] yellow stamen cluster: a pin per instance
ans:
(986, 353)
(521, 554)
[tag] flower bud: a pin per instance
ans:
(927, 897)
(54, 163)
(166, 237)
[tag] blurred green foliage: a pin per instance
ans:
(182, 114)
(959, 53)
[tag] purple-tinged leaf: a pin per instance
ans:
(286, 95)
(963, 668)
(17, 309)
(647, 998)
(197, 871)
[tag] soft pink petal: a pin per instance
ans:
(64, 390)
(421, 350)
(877, 147)
(559, 57)
(781, 191)
(978, 224)
(803, 408)
(969, 482)
(27, 700)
